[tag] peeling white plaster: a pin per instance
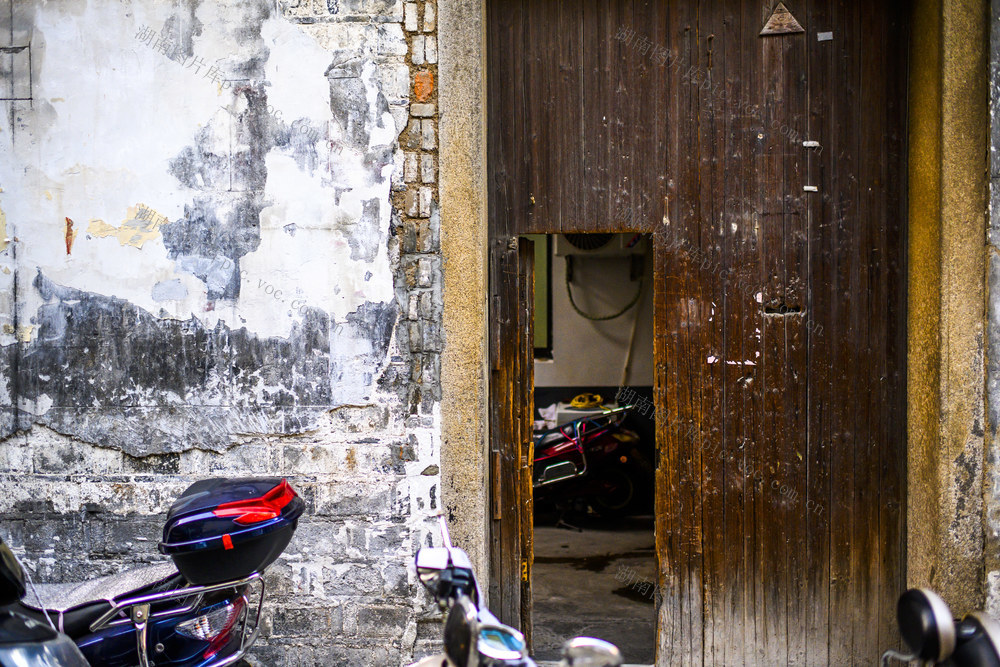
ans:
(145, 111)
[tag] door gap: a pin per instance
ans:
(595, 564)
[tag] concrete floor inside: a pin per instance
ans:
(598, 582)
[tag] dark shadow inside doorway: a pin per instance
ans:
(594, 567)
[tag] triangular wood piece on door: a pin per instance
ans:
(781, 22)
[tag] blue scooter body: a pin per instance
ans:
(221, 535)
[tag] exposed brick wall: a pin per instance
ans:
(416, 197)
(342, 593)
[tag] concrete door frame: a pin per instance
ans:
(946, 391)
(946, 388)
(462, 184)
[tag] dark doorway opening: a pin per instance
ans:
(594, 569)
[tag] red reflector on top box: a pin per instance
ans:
(224, 529)
(255, 510)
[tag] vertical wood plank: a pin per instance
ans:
(892, 479)
(791, 478)
(712, 360)
(526, 300)
(741, 344)
(820, 300)
(844, 591)
(540, 135)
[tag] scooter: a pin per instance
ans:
(201, 610)
(592, 461)
(23, 640)
(934, 637)
(474, 637)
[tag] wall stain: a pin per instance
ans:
(70, 236)
(4, 241)
(141, 224)
(104, 370)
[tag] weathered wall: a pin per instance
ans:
(219, 255)
(947, 423)
(992, 443)
(463, 244)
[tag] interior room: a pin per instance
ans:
(594, 453)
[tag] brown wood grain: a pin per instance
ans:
(526, 407)
(779, 312)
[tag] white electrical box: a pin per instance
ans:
(599, 245)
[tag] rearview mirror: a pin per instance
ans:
(430, 562)
(501, 644)
(926, 624)
(460, 632)
(590, 652)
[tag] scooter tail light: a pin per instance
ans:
(215, 627)
(260, 509)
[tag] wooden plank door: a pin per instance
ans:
(780, 292)
(511, 416)
(781, 323)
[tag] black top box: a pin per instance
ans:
(225, 529)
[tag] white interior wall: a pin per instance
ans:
(587, 353)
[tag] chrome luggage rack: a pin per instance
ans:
(136, 610)
(614, 416)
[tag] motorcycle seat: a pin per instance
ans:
(78, 604)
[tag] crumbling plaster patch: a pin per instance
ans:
(251, 164)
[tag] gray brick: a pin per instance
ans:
(416, 337)
(161, 464)
(425, 195)
(410, 167)
(356, 419)
(431, 50)
(306, 621)
(395, 83)
(412, 203)
(396, 577)
(410, 16)
(422, 110)
(417, 50)
(16, 456)
(426, 305)
(338, 501)
(412, 141)
(382, 621)
(390, 41)
(71, 456)
(409, 236)
(432, 336)
(427, 139)
(430, 22)
(384, 541)
(427, 170)
(398, 184)
(424, 273)
(356, 581)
